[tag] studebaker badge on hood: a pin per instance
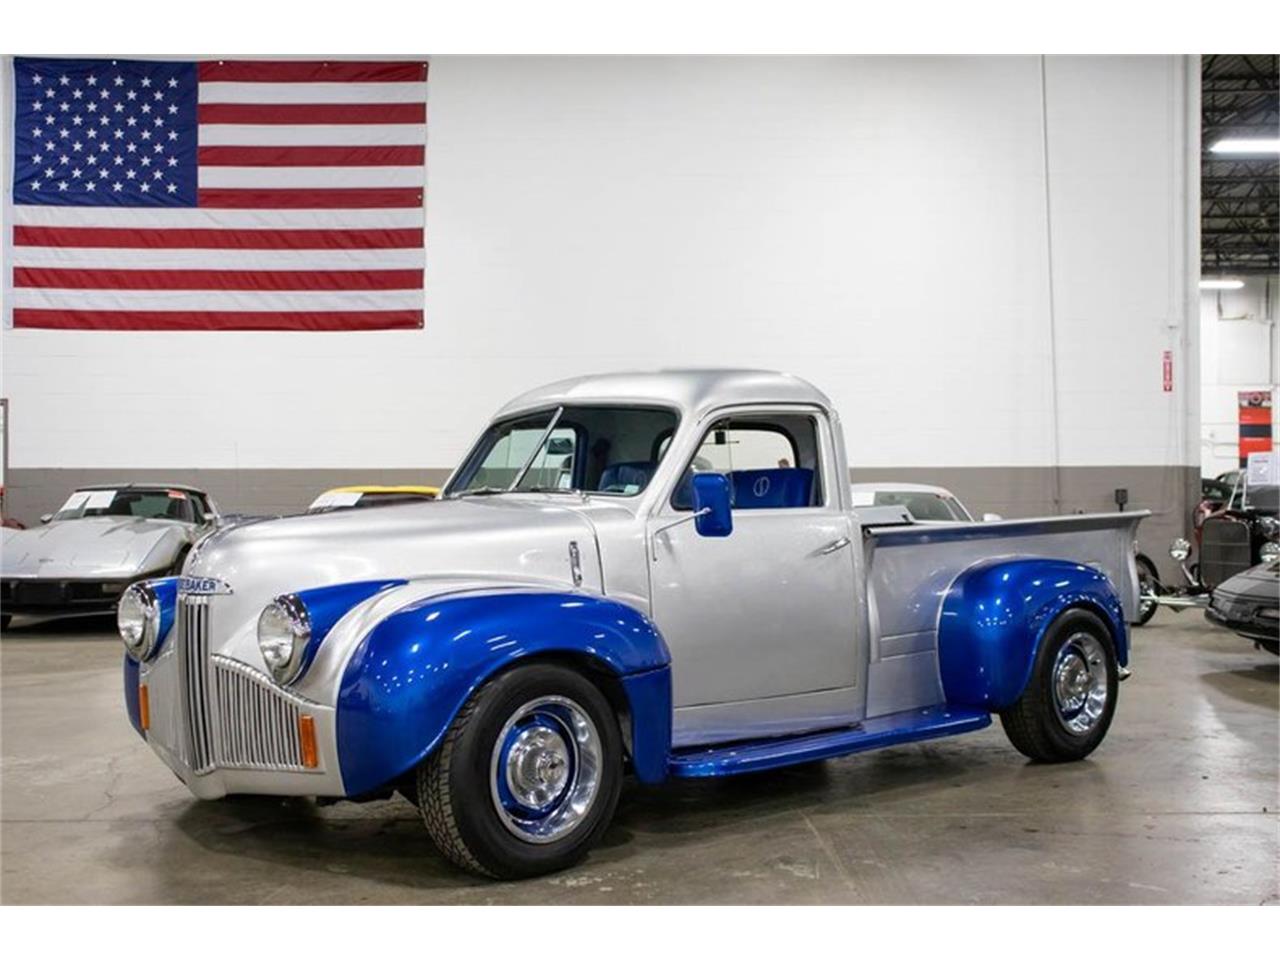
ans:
(656, 574)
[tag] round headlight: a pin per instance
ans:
(284, 631)
(138, 620)
(1270, 551)
(1180, 549)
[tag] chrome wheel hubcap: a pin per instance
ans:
(545, 769)
(1080, 683)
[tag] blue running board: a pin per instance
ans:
(894, 728)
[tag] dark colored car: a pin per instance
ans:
(1249, 604)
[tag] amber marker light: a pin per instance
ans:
(144, 707)
(307, 737)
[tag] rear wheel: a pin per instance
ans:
(527, 777)
(1065, 711)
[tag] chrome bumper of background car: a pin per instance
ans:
(223, 727)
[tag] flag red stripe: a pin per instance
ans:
(217, 320)
(261, 280)
(275, 113)
(353, 198)
(202, 239)
(312, 156)
(313, 71)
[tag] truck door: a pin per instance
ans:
(762, 624)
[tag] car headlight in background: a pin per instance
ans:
(284, 633)
(1270, 527)
(1180, 549)
(138, 620)
(1270, 551)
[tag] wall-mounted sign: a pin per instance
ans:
(1255, 423)
(1167, 369)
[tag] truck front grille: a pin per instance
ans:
(257, 722)
(1225, 550)
(233, 715)
(193, 665)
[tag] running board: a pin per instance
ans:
(894, 728)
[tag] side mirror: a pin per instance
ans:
(46, 517)
(712, 512)
(209, 518)
(991, 517)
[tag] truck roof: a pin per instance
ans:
(692, 391)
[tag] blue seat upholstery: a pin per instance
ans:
(626, 477)
(761, 489)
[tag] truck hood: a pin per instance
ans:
(92, 547)
(512, 537)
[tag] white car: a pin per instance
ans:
(925, 503)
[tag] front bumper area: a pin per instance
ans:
(39, 596)
(223, 728)
(1248, 617)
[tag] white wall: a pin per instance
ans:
(877, 225)
(1239, 350)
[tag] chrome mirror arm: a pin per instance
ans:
(653, 536)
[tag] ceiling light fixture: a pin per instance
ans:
(1221, 284)
(1247, 145)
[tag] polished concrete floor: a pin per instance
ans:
(1177, 806)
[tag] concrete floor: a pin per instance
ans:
(1178, 806)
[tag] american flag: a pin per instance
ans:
(218, 195)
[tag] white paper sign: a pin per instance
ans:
(336, 498)
(1263, 469)
(99, 499)
(75, 501)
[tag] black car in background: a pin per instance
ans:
(1249, 604)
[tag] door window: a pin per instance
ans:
(771, 461)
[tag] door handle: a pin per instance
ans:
(834, 545)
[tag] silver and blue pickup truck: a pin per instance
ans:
(658, 574)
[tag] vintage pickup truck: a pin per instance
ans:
(658, 573)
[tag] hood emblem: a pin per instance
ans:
(203, 586)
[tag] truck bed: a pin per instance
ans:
(909, 569)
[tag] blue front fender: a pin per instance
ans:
(995, 615)
(413, 671)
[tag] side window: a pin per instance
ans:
(771, 461)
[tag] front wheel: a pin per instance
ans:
(527, 777)
(1148, 589)
(1070, 698)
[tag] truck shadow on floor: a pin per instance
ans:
(385, 841)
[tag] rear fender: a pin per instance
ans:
(994, 617)
(413, 671)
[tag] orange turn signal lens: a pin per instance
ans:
(144, 707)
(307, 738)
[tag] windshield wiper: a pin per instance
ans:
(537, 489)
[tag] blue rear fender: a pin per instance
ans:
(994, 618)
(413, 671)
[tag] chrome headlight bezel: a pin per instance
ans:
(284, 635)
(1180, 549)
(1269, 551)
(138, 620)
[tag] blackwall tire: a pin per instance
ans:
(1148, 582)
(1070, 698)
(527, 777)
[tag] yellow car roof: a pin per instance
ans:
(375, 488)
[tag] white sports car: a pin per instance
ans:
(102, 539)
(925, 503)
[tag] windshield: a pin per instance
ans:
(157, 504)
(609, 450)
(921, 504)
(1265, 498)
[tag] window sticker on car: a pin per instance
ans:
(99, 499)
(337, 498)
(75, 501)
(177, 495)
